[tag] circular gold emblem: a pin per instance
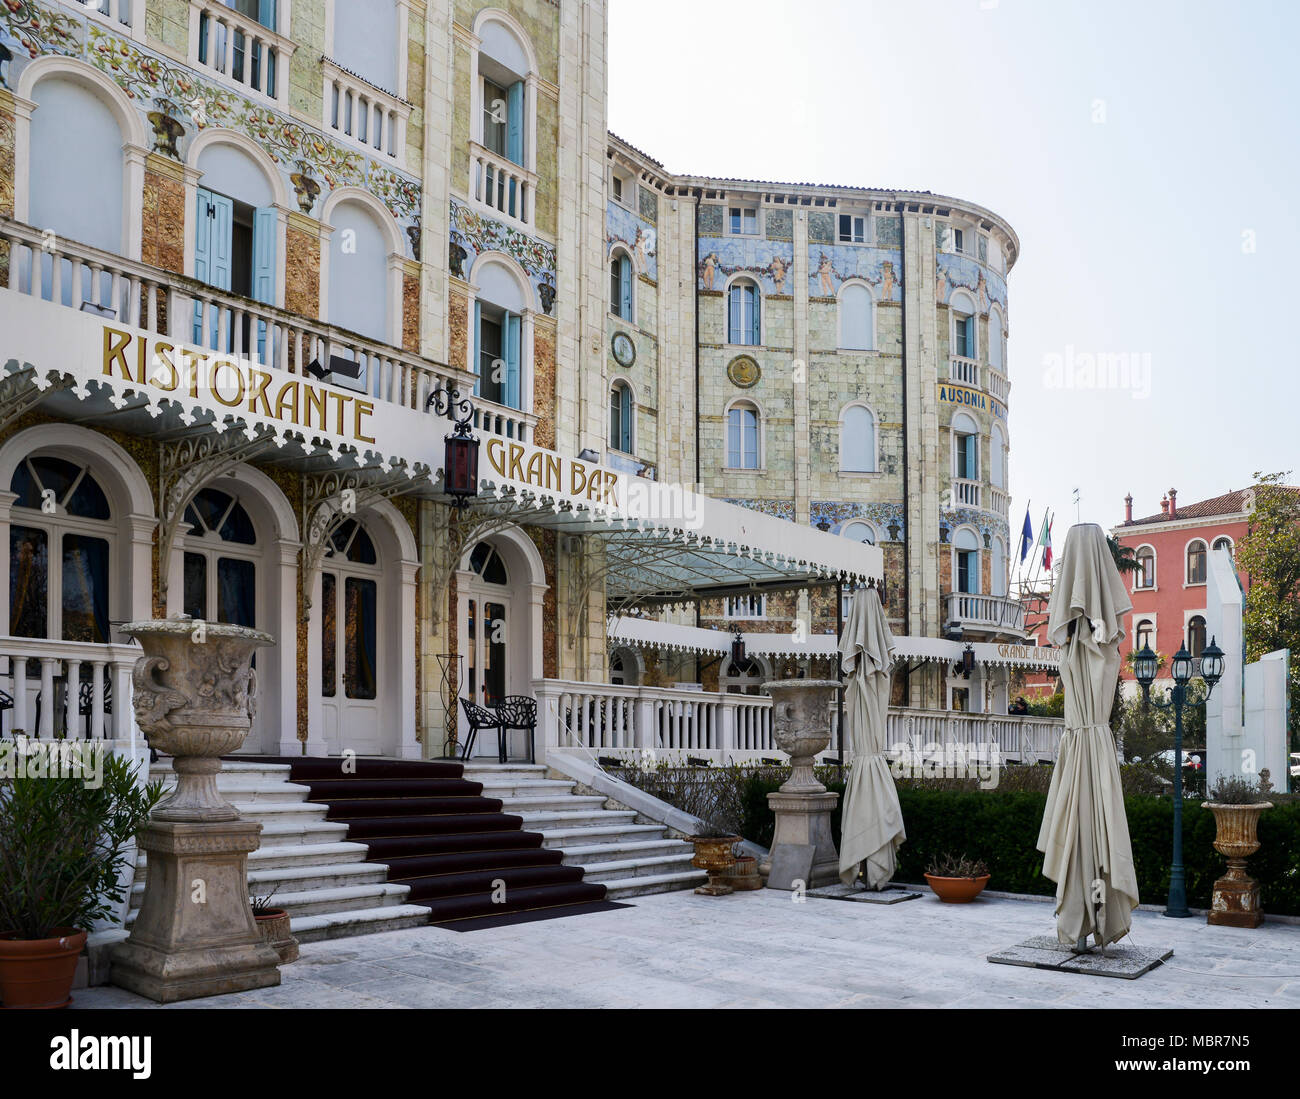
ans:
(743, 371)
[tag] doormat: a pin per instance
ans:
(891, 894)
(531, 915)
(1120, 959)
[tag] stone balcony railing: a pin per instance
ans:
(983, 612)
(71, 690)
(501, 185)
(198, 315)
(116, 13)
(966, 494)
(997, 384)
(963, 370)
(361, 112)
(999, 501)
(239, 50)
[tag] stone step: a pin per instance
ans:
(552, 804)
(598, 834)
(281, 812)
(644, 867)
(357, 921)
(477, 771)
(522, 788)
(597, 854)
(163, 770)
(550, 819)
(287, 880)
(618, 888)
(341, 898)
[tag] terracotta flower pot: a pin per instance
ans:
(273, 923)
(957, 890)
(713, 856)
(38, 973)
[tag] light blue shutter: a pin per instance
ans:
(971, 467)
(265, 226)
(970, 337)
(513, 333)
(515, 136)
(625, 419)
(476, 341)
(733, 319)
(625, 287)
(266, 13)
(213, 228)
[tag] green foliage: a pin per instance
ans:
(1237, 790)
(63, 846)
(1125, 557)
(1052, 705)
(1269, 556)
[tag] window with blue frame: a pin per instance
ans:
(620, 418)
(498, 340)
(744, 320)
(620, 285)
(743, 437)
(964, 336)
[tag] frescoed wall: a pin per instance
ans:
(622, 226)
(473, 233)
(829, 265)
(770, 262)
(956, 271)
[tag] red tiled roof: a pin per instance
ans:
(1230, 503)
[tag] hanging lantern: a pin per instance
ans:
(967, 660)
(738, 657)
(460, 462)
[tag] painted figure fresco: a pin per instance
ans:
(778, 268)
(824, 275)
(708, 267)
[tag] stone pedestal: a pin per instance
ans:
(1235, 903)
(195, 934)
(801, 728)
(803, 820)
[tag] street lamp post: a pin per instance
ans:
(1145, 666)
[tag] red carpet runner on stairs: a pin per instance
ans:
(438, 835)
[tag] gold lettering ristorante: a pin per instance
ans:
(233, 383)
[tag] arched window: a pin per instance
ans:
(744, 308)
(624, 668)
(964, 344)
(620, 285)
(996, 357)
(358, 271)
(1144, 635)
(997, 455)
(859, 532)
(966, 561)
(621, 419)
(504, 122)
(1145, 576)
(857, 317)
(60, 541)
(743, 437)
(857, 440)
(501, 348)
(1224, 543)
(486, 561)
(745, 679)
(1196, 562)
(220, 562)
(965, 448)
(1196, 635)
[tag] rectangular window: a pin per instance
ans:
(958, 240)
(744, 220)
(964, 337)
(742, 438)
(967, 571)
(747, 606)
(29, 581)
(496, 115)
(85, 589)
(853, 229)
(236, 594)
(967, 464)
(494, 653)
(491, 365)
(360, 679)
(616, 188)
(196, 585)
(329, 627)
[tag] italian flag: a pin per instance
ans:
(1045, 540)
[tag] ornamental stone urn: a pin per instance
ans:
(1235, 901)
(195, 696)
(802, 847)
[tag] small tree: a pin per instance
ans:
(1269, 555)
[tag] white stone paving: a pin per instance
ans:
(760, 949)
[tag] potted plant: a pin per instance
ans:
(273, 923)
(1237, 802)
(64, 844)
(743, 875)
(713, 855)
(957, 879)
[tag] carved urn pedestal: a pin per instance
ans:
(801, 726)
(195, 935)
(1235, 901)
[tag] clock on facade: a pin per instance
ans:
(624, 349)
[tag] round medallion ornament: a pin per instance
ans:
(743, 372)
(624, 349)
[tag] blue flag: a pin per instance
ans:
(1026, 537)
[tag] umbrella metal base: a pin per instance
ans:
(1118, 960)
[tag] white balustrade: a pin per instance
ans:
(501, 185)
(124, 13)
(364, 113)
(201, 316)
(966, 371)
(995, 611)
(966, 494)
(999, 501)
(915, 736)
(239, 49)
(998, 385)
(66, 690)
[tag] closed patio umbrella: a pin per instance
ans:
(1084, 837)
(871, 821)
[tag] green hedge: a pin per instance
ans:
(1002, 828)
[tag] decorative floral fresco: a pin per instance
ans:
(780, 509)
(956, 271)
(473, 233)
(829, 265)
(887, 518)
(989, 526)
(769, 262)
(622, 226)
(178, 104)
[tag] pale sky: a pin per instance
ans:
(1146, 152)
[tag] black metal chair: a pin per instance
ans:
(517, 712)
(6, 703)
(479, 717)
(86, 700)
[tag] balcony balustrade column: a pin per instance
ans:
(97, 700)
(46, 729)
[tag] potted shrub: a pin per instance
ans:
(1237, 802)
(714, 856)
(63, 849)
(957, 879)
(273, 923)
